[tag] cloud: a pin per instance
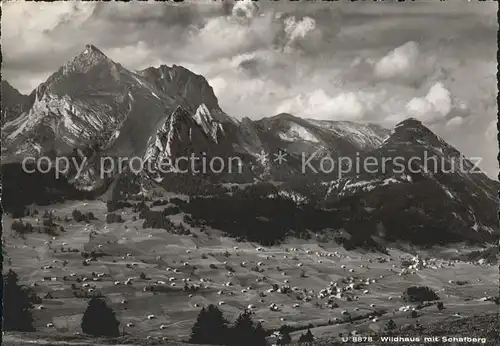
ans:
(251, 66)
(318, 104)
(296, 30)
(32, 23)
(492, 131)
(399, 62)
(225, 37)
(440, 98)
(455, 122)
(433, 106)
(405, 64)
(53, 33)
(245, 9)
(299, 35)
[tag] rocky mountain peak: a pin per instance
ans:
(411, 130)
(249, 135)
(177, 80)
(86, 60)
(409, 123)
(91, 49)
(184, 134)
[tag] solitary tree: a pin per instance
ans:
(16, 305)
(391, 325)
(210, 327)
(260, 333)
(99, 319)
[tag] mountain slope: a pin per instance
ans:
(13, 102)
(424, 203)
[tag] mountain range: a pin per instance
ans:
(94, 107)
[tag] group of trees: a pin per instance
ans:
(155, 219)
(47, 226)
(21, 228)
(114, 218)
(78, 216)
(419, 294)
(152, 218)
(160, 220)
(17, 304)
(306, 337)
(213, 329)
(21, 189)
(263, 219)
(99, 320)
(113, 205)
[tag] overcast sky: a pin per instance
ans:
(362, 61)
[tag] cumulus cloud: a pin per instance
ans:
(296, 30)
(435, 105)
(455, 122)
(399, 61)
(320, 105)
(223, 37)
(245, 9)
(440, 98)
(405, 64)
(32, 24)
(298, 34)
(53, 33)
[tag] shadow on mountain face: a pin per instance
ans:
(21, 188)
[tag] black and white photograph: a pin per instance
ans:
(250, 173)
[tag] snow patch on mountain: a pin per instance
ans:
(207, 122)
(297, 132)
(348, 186)
(363, 136)
(294, 196)
(389, 181)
